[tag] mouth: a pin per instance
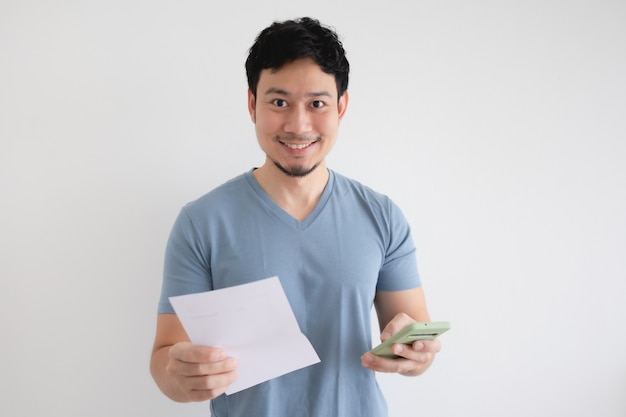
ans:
(297, 146)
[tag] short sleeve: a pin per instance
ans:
(186, 266)
(399, 270)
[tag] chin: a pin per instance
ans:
(296, 171)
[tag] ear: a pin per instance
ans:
(342, 105)
(252, 106)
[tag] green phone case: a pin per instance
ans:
(412, 332)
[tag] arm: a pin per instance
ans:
(396, 309)
(185, 372)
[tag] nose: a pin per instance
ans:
(298, 121)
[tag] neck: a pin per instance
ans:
(296, 195)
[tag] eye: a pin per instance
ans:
(279, 102)
(318, 104)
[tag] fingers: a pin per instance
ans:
(191, 369)
(202, 373)
(208, 387)
(187, 352)
(414, 359)
(408, 367)
(433, 346)
(399, 322)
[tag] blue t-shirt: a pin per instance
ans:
(355, 242)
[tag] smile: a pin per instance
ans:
(297, 145)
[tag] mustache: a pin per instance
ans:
(296, 138)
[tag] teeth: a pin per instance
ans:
(297, 146)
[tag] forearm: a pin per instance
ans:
(410, 302)
(166, 383)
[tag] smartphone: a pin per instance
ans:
(411, 333)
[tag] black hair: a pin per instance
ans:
(290, 40)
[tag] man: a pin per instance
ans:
(337, 247)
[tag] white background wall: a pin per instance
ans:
(498, 127)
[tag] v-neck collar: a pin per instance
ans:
(279, 212)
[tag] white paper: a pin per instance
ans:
(252, 322)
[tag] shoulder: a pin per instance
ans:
(358, 199)
(223, 196)
(357, 191)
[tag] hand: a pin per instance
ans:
(201, 373)
(414, 358)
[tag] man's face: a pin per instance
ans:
(296, 115)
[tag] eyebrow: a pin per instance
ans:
(279, 91)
